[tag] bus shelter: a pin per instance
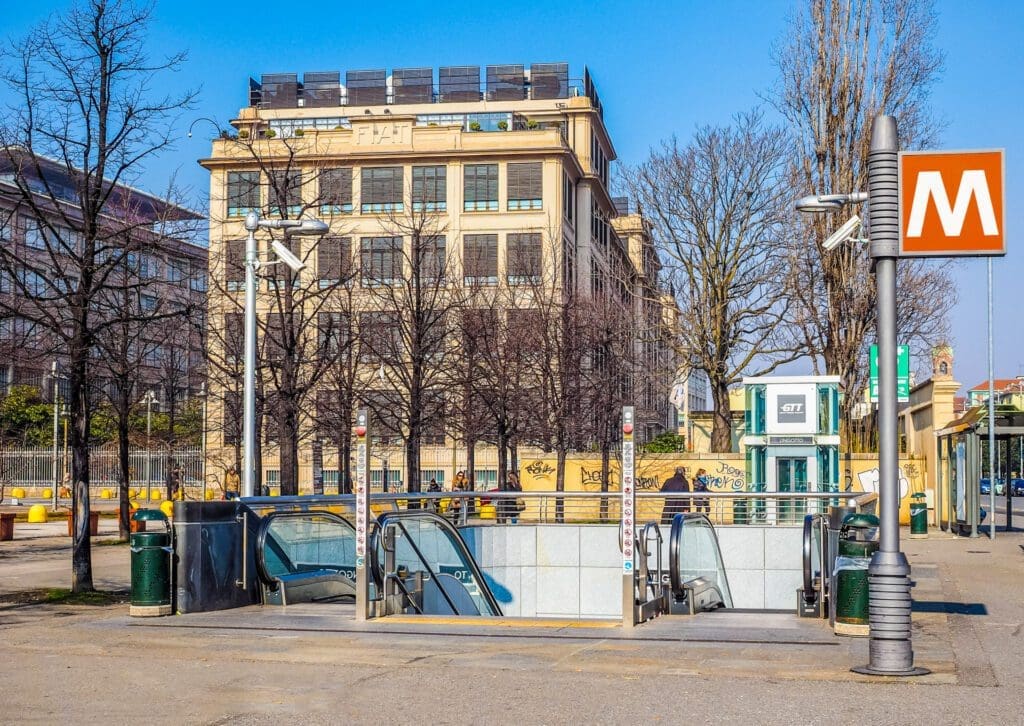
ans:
(962, 457)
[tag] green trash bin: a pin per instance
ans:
(918, 515)
(151, 567)
(856, 546)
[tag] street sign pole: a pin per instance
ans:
(362, 518)
(628, 520)
(889, 600)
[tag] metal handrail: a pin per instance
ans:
(378, 538)
(385, 519)
(261, 536)
(810, 521)
(674, 544)
(310, 499)
(642, 543)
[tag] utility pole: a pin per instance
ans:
(149, 429)
(56, 426)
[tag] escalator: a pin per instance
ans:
(421, 565)
(695, 581)
(813, 600)
(418, 563)
(305, 557)
(697, 577)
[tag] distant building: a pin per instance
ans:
(169, 269)
(1008, 391)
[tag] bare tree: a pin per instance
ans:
(83, 86)
(840, 65)
(718, 207)
(410, 300)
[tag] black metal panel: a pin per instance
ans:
(322, 88)
(413, 85)
(209, 558)
(280, 90)
(459, 83)
(590, 90)
(549, 80)
(367, 88)
(505, 83)
(255, 92)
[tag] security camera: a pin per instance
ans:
(286, 256)
(842, 234)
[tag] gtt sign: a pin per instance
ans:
(951, 203)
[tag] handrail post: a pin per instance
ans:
(362, 517)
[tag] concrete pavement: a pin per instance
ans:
(262, 665)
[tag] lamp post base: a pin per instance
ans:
(869, 671)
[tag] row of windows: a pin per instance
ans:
(382, 189)
(147, 266)
(384, 260)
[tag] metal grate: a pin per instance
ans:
(367, 88)
(549, 80)
(280, 90)
(413, 85)
(506, 83)
(459, 83)
(321, 89)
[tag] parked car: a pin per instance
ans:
(1018, 487)
(986, 486)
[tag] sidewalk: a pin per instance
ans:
(259, 665)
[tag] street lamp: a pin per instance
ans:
(889, 599)
(150, 400)
(291, 227)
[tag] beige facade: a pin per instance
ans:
(490, 142)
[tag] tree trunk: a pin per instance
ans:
(606, 454)
(288, 448)
(123, 508)
(513, 456)
(81, 551)
(721, 427)
(502, 443)
(471, 463)
(560, 482)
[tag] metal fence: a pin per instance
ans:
(34, 468)
(532, 507)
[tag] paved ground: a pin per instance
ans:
(88, 664)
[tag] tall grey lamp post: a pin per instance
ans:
(889, 601)
(291, 227)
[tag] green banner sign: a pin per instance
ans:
(902, 373)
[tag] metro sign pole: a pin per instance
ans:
(628, 519)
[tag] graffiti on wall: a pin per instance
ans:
(869, 479)
(540, 469)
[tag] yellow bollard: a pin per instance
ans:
(36, 514)
(47, 493)
(209, 495)
(18, 493)
(105, 494)
(488, 511)
(156, 495)
(167, 507)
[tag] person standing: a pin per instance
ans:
(674, 485)
(700, 484)
(513, 507)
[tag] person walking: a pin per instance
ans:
(700, 484)
(674, 485)
(512, 507)
(433, 487)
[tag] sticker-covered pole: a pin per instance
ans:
(362, 517)
(628, 520)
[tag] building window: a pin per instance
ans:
(234, 264)
(147, 303)
(429, 188)
(525, 188)
(35, 235)
(380, 337)
(380, 260)
(234, 338)
(243, 192)
(333, 260)
(197, 283)
(177, 270)
(336, 190)
(568, 198)
(480, 184)
(381, 190)
(523, 258)
(333, 332)
(149, 267)
(480, 259)
(432, 258)
(232, 418)
(286, 193)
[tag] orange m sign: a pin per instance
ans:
(951, 203)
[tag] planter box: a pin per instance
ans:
(94, 524)
(6, 527)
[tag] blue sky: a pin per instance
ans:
(662, 68)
